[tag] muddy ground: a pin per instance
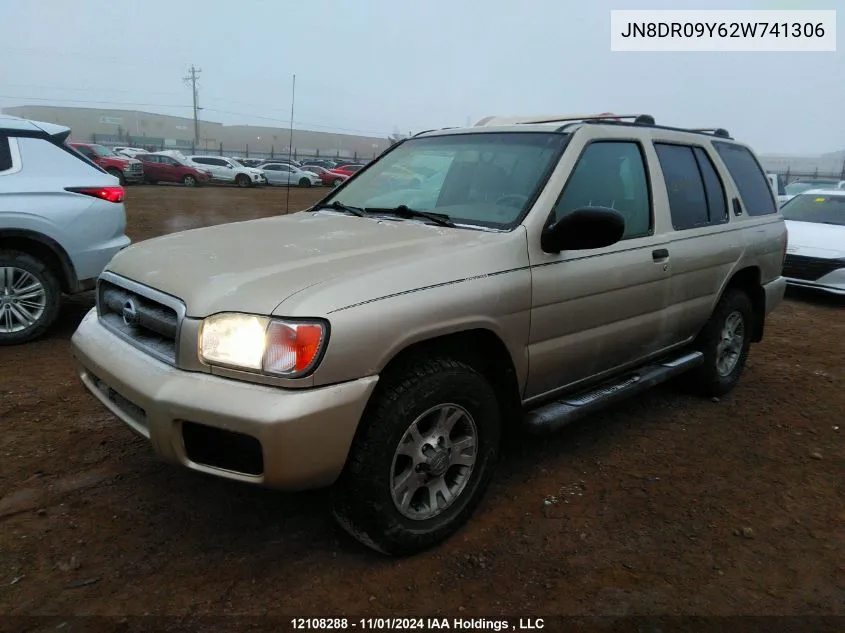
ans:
(666, 505)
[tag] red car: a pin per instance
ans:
(160, 168)
(347, 170)
(330, 177)
(123, 168)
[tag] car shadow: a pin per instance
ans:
(815, 297)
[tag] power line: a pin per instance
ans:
(191, 82)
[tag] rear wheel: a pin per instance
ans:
(422, 459)
(725, 342)
(30, 297)
(117, 174)
(242, 180)
(189, 181)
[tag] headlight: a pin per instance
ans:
(262, 344)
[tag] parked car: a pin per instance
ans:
(61, 220)
(131, 152)
(250, 162)
(815, 256)
(319, 162)
(286, 161)
(161, 168)
(287, 175)
(228, 170)
(327, 177)
(123, 168)
(348, 170)
(381, 341)
(798, 186)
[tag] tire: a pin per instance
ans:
(304, 182)
(22, 270)
(242, 180)
(363, 502)
(118, 174)
(734, 312)
(189, 181)
(337, 182)
(152, 182)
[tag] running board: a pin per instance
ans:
(555, 415)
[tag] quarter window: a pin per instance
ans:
(5, 154)
(610, 174)
(754, 188)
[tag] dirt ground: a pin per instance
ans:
(666, 505)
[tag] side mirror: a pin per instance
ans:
(583, 229)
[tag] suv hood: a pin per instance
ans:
(254, 266)
(811, 239)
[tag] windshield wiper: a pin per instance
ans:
(404, 211)
(339, 206)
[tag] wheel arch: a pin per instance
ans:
(480, 348)
(748, 280)
(46, 249)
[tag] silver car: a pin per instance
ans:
(287, 175)
(61, 220)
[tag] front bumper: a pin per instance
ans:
(832, 288)
(301, 437)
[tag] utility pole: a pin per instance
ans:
(191, 82)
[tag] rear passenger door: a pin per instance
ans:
(704, 247)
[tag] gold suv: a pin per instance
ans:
(522, 272)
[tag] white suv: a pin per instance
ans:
(61, 220)
(223, 169)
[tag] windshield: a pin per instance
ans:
(822, 209)
(798, 187)
(101, 150)
(484, 179)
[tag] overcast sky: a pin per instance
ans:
(372, 66)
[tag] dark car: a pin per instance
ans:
(160, 168)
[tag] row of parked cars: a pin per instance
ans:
(136, 165)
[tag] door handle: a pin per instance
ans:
(660, 253)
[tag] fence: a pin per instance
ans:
(242, 152)
(788, 175)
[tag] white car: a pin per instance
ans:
(228, 170)
(131, 152)
(61, 220)
(815, 254)
(287, 175)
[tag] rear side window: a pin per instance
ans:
(5, 154)
(696, 195)
(754, 188)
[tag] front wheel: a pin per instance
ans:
(422, 459)
(30, 297)
(189, 181)
(337, 182)
(242, 180)
(725, 342)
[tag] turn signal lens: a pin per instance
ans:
(292, 348)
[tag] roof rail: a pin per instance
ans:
(604, 116)
(715, 131)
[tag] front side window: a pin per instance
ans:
(485, 179)
(102, 151)
(610, 174)
(819, 209)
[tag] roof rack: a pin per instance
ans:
(523, 120)
(715, 131)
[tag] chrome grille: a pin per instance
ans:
(135, 168)
(144, 317)
(809, 268)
